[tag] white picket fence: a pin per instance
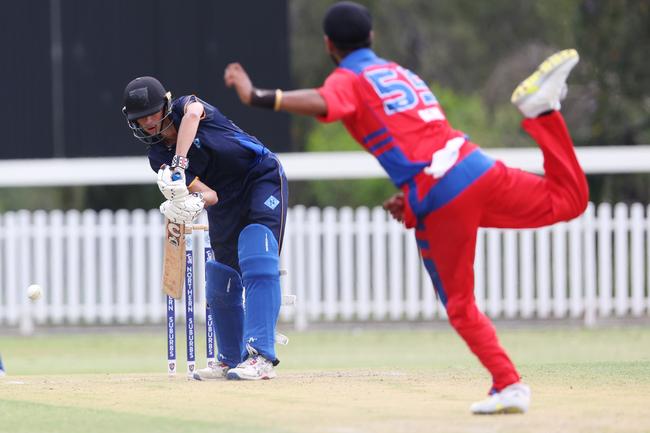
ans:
(343, 265)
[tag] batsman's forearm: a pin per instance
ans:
(210, 198)
(209, 195)
(186, 133)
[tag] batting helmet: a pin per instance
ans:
(143, 97)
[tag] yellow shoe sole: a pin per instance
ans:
(531, 84)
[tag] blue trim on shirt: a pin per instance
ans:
(452, 184)
(422, 244)
(246, 141)
(360, 59)
(372, 135)
(376, 147)
(398, 166)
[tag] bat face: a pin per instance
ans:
(174, 259)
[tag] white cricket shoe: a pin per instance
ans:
(513, 398)
(255, 367)
(216, 371)
(546, 87)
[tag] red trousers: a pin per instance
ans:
(501, 197)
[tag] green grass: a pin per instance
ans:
(357, 381)
(133, 352)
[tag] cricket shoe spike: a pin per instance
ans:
(216, 371)
(546, 87)
(513, 398)
(255, 367)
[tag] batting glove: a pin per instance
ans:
(170, 188)
(185, 210)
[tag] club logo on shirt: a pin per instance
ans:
(272, 202)
(197, 143)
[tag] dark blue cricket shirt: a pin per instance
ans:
(222, 154)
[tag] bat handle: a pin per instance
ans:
(189, 228)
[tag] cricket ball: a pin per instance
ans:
(34, 292)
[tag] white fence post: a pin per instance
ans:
(412, 273)
(543, 263)
(122, 255)
(330, 263)
(10, 268)
(106, 266)
(138, 267)
(510, 270)
(298, 272)
(560, 263)
(156, 306)
(56, 266)
(494, 260)
(362, 224)
(24, 252)
(604, 259)
(313, 233)
(636, 256)
(346, 264)
(527, 274)
(621, 286)
(72, 269)
(395, 270)
(379, 264)
(40, 235)
(576, 256)
(590, 270)
(89, 265)
(647, 262)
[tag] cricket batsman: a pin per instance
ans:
(243, 187)
(449, 187)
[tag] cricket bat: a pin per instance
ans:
(173, 273)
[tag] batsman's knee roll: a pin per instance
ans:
(258, 253)
(223, 285)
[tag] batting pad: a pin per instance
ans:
(223, 291)
(259, 264)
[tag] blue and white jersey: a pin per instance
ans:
(222, 155)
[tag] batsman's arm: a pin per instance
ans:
(187, 131)
(209, 195)
(302, 101)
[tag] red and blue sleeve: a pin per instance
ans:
(339, 95)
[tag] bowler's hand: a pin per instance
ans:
(395, 205)
(235, 76)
